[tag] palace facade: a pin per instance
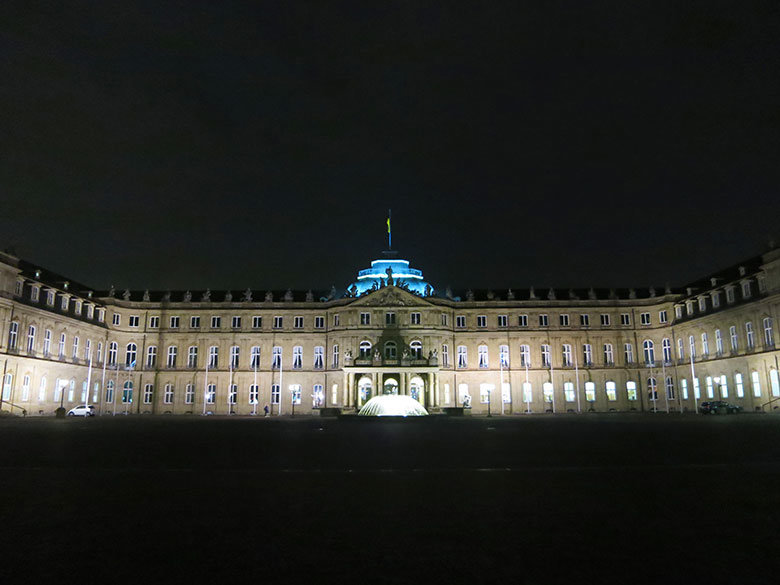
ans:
(511, 351)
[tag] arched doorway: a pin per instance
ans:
(365, 390)
(390, 386)
(417, 389)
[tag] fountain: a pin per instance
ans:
(393, 405)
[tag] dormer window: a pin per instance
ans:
(746, 289)
(730, 294)
(77, 307)
(702, 304)
(678, 311)
(50, 298)
(761, 283)
(19, 288)
(90, 311)
(35, 293)
(65, 303)
(689, 307)
(715, 300)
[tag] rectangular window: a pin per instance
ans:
(168, 394)
(705, 345)
(151, 356)
(662, 317)
(631, 390)
(730, 294)
(563, 319)
(414, 318)
(35, 294)
(749, 340)
(275, 393)
(482, 352)
(18, 290)
(481, 321)
(235, 353)
(625, 319)
(65, 302)
(47, 343)
(739, 385)
(148, 391)
(132, 321)
(174, 322)
(756, 384)
(525, 356)
(745, 290)
(254, 357)
(336, 320)
(460, 321)
(389, 318)
(194, 322)
(365, 318)
(702, 304)
(733, 338)
(445, 355)
(566, 354)
(216, 322)
(485, 390)
(154, 322)
(211, 393)
(298, 322)
(189, 394)
(213, 357)
(257, 322)
(584, 320)
(629, 353)
(611, 390)
(678, 311)
(444, 319)
(543, 321)
(235, 322)
(276, 357)
(546, 355)
(684, 388)
(335, 356)
(715, 300)
(522, 320)
(769, 336)
(587, 354)
(502, 320)
(644, 318)
(116, 319)
(319, 322)
(319, 359)
(278, 322)
(604, 320)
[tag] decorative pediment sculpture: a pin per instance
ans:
(652, 291)
(532, 295)
(469, 295)
(631, 293)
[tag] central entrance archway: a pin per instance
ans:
(390, 386)
(417, 388)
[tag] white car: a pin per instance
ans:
(82, 410)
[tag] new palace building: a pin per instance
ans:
(514, 352)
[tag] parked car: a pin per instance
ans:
(719, 407)
(82, 410)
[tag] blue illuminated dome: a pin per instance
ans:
(377, 276)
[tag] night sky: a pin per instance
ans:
(191, 145)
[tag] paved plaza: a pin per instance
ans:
(536, 499)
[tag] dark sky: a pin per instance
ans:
(188, 144)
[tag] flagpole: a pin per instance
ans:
(527, 395)
(552, 380)
(693, 386)
(281, 387)
(116, 390)
(389, 231)
(666, 394)
(501, 369)
(206, 384)
(254, 409)
(577, 381)
(230, 387)
(89, 383)
(103, 383)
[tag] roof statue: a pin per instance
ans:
(167, 296)
(269, 297)
(126, 295)
(146, 296)
(187, 296)
(309, 296)
(551, 294)
(288, 296)
(228, 296)
(206, 296)
(510, 295)
(591, 294)
(112, 291)
(247, 296)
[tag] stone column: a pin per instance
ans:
(430, 399)
(380, 383)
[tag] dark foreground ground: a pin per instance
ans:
(576, 499)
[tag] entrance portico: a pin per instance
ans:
(420, 382)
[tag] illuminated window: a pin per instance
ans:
(26, 388)
(774, 382)
(295, 393)
(756, 384)
(590, 391)
(611, 391)
(631, 390)
(254, 357)
(464, 398)
(696, 389)
(42, 390)
(527, 392)
(547, 391)
(710, 389)
(724, 387)
(739, 385)
(317, 396)
(65, 302)
(568, 392)
(485, 390)
(235, 354)
(276, 357)
(319, 357)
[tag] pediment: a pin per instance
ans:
(391, 296)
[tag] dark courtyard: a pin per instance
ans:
(590, 498)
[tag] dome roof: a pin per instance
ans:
(377, 276)
(393, 405)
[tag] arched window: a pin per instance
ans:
(26, 388)
(669, 387)
(590, 391)
(130, 354)
(547, 391)
(365, 349)
(416, 387)
(112, 351)
(127, 392)
(297, 357)
(649, 352)
(652, 389)
(390, 350)
(110, 391)
(774, 382)
(31, 339)
(173, 352)
(42, 390)
(666, 345)
(151, 356)
(482, 351)
(416, 349)
(611, 390)
(365, 388)
(462, 357)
